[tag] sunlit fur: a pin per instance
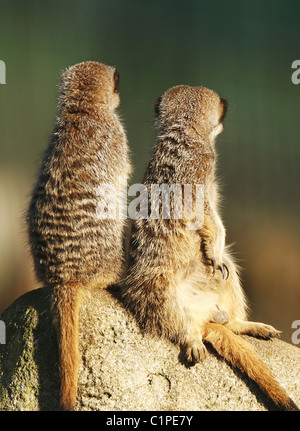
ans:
(183, 284)
(73, 249)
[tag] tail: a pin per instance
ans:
(65, 307)
(242, 355)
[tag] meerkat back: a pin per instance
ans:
(182, 284)
(75, 245)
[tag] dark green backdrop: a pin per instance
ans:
(241, 49)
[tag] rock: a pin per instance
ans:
(121, 368)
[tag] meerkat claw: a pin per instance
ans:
(227, 270)
(222, 268)
(214, 266)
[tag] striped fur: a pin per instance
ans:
(179, 280)
(73, 248)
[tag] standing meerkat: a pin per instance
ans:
(74, 247)
(182, 283)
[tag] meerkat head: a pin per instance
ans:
(89, 85)
(196, 108)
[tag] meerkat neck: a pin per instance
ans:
(189, 137)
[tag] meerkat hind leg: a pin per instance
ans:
(199, 306)
(194, 348)
(233, 300)
(255, 329)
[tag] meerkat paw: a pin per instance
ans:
(255, 329)
(263, 330)
(195, 351)
(220, 267)
(208, 252)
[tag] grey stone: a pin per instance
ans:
(123, 369)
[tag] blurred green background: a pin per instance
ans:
(241, 49)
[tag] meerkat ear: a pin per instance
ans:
(156, 106)
(116, 81)
(225, 108)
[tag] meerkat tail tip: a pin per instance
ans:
(242, 355)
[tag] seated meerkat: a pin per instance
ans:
(182, 283)
(75, 248)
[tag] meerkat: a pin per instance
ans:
(76, 248)
(182, 283)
